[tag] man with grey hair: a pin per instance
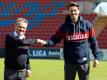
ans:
(17, 65)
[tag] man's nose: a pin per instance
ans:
(22, 29)
(73, 12)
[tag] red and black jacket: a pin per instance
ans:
(76, 37)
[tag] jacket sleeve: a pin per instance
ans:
(93, 42)
(12, 41)
(57, 37)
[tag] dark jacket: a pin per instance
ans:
(16, 52)
(76, 38)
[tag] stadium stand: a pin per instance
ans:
(100, 27)
(44, 17)
(102, 39)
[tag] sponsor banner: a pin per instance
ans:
(54, 53)
(45, 53)
(1, 52)
(102, 54)
(57, 53)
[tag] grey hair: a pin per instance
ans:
(21, 20)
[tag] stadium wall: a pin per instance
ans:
(54, 53)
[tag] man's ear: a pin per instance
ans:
(15, 27)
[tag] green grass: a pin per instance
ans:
(54, 70)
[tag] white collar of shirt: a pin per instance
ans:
(20, 37)
(15, 33)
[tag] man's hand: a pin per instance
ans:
(41, 41)
(28, 73)
(95, 64)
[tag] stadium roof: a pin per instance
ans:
(101, 8)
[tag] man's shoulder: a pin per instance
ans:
(87, 23)
(63, 27)
(10, 35)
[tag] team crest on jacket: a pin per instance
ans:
(77, 36)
